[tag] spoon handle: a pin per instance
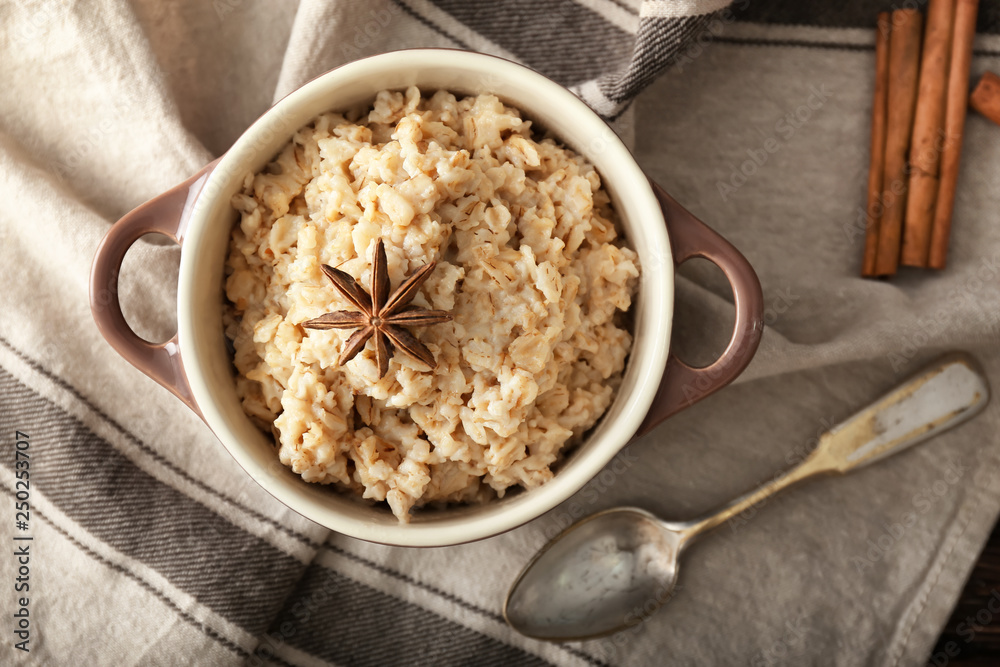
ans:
(945, 394)
(948, 392)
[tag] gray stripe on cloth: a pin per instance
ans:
(186, 617)
(234, 573)
(149, 451)
(346, 622)
(658, 43)
(846, 13)
(807, 44)
(793, 43)
(840, 14)
(430, 24)
(627, 7)
(561, 39)
(454, 599)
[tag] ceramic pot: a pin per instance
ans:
(196, 366)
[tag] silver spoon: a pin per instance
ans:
(612, 569)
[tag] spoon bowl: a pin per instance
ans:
(601, 574)
(613, 569)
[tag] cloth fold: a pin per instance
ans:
(151, 546)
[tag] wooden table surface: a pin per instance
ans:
(972, 636)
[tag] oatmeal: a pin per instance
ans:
(530, 265)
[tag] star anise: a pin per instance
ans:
(382, 315)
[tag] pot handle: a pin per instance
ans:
(166, 214)
(683, 385)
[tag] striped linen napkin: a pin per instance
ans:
(150, 546)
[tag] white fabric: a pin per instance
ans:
(107, 104)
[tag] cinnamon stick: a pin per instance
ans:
(928, 127)
(904, 65)
(876, 165)
(986, 97)
(956, 108)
